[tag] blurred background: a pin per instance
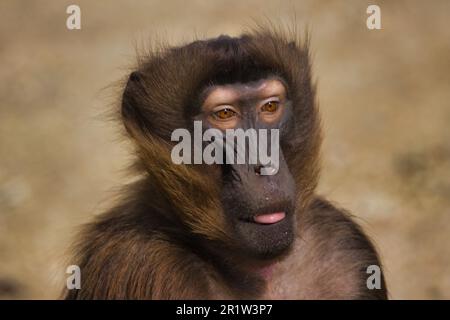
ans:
(384, 97)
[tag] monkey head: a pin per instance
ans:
(261, 80)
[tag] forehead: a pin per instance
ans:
(263, 88)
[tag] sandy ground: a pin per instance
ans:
(384, 97)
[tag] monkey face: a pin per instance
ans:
(258, 82)
(259, 208)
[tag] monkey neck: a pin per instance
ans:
(242, 276)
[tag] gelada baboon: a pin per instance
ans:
(212, 231)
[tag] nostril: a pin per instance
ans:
(258, 168)
(269, 170)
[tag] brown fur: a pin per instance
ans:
(169, 239)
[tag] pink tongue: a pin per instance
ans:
(270, 218)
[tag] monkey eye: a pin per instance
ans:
(224, 114)
(270, 106)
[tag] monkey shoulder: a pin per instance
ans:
(332, 255)
(123, 255)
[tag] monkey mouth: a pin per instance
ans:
(269, 218)
(265, 218)
(269, 215)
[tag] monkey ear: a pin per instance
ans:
(131, 88)
(134, 76)
(133, 94)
